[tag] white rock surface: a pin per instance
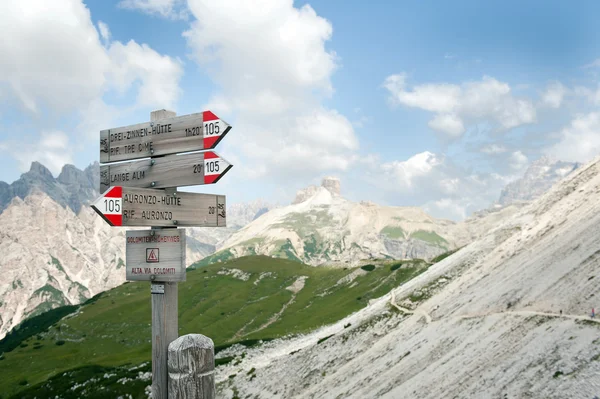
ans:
(491, 328)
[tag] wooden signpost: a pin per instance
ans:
(144, 193)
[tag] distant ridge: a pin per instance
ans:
(72, 188)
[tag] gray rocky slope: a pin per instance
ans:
(538, 179)
(505, 317)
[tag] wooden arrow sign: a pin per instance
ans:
(200, 131)
(126, 206)
(168, 171)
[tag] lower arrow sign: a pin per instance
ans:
(128, 206)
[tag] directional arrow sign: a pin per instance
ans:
(200, 131)
(168, 171)
(127, 206)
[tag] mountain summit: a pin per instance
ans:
(331, 184)
(320, 226)
(538, 179)
(72, 188)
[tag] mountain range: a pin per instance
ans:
(60, 253)
(57, 251)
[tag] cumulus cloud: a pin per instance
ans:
(457, 106)
(493, 149)
(62, 64)
(53, 151)
(518, 160)
(554, 94)
(173, 9)
(580, 141)
(104, 32)
(432, 181)
(58, 61)
(273, 72)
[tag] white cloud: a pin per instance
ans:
(518, 160)
(174, 9)
(493, 149)
(273, 71)
(404, 173)
(580, 141)
(457, 106)
(448, 123)
(57, 60)
(593, 64)
(53, 151)
(554, 94)
(158, 75)
(104, 31)
(434, 182)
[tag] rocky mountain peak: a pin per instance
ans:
(331, 184)
(39, 170)
(538, 178)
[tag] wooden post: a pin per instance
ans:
(165, 326)
(192, 367)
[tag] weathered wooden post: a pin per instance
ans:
(165, 320)
(191, 368)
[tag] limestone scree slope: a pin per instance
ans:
(485, 322)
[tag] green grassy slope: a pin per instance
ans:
(114, 330)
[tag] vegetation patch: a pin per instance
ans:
(368, 268)
(94, 382)
(114, 328)
(430, 237)
(324, 339)
(393, 232)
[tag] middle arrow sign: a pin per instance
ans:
(168, 171)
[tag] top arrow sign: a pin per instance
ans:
(200, 131)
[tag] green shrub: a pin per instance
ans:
(368, 268)
(60, 342)
(395, 266)
(324, 339)
(223, 360)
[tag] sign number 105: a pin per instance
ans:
(112, 205)
(211, 128)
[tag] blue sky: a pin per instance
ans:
(433, 104)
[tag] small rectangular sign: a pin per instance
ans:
(199, 131)
(168, 171)
(128, 206)
(155, 255)
(157, 288)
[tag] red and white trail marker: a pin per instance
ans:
(110, 206)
